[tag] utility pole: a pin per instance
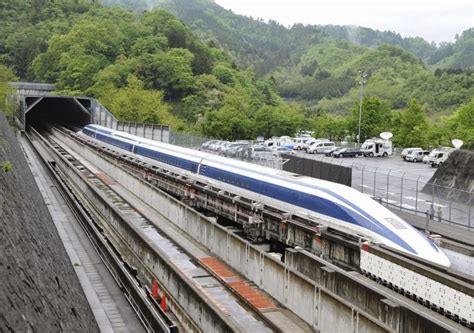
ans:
(362, 81)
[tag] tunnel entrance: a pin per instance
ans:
(73, 112)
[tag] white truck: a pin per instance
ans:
(438, 157)
(376, 147)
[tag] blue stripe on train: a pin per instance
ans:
(304, 200)
(167, 158)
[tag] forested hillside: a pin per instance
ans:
(265, 46)
(149, 66)
(326, 79)
(145, 67)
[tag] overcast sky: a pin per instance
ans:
(434, 20)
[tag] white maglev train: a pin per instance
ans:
(339, 206)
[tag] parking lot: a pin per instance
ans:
(400, 184)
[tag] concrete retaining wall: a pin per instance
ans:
(39, 289)
(314, 303)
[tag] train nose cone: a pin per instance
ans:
(443, 259)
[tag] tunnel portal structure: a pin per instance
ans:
(72, 111)
(37, 105)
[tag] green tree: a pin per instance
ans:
(462, 123)
(233, 120)
(168, 71)
(135, 103)
(73, 60)
(414, 127)
(374, 120)
(284, 119)
(331, 127)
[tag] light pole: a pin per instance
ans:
(362, 81)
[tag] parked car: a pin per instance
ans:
(223, 147)
(321, 147)
(259, 151)
(416, 155)
(215, 145)
(332, 150)
(347, 152)
(236, 149)
(408, 151)
(206, 144)
(312, 142)
(277, 151)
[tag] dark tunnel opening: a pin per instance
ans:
(68, 111)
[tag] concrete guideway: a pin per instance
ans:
(244, 320)
(403, 313)
(113, 170)
(109, 306)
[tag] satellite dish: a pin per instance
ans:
(457, 143)
(386, 135)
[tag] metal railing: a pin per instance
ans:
(416, 195)
(193, 141)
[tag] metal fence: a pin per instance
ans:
(186, 140)
(415, 195)
(193, 141)
(148, 131)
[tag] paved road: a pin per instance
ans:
(398, 183)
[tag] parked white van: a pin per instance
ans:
(417, 155)
(408, 151)
(320, 147)
(438, 157)
(311, 142)
(300, 143)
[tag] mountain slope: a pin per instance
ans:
(254, 42)
(326, 79)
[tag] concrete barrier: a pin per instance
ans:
(318, 306)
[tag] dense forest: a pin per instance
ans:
(214, 73)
